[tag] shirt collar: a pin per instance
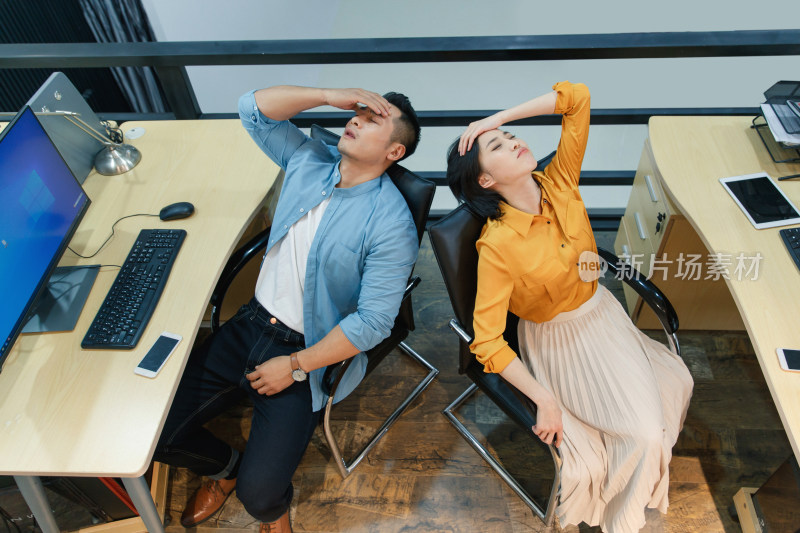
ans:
(541, 177)
(357, 190)
(519, 221)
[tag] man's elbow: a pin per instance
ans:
(247, 111)
(365, 330)
(380, 326)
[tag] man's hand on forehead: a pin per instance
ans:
(352, 99)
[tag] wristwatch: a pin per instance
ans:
(298, 374)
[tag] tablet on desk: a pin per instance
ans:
(761, 200)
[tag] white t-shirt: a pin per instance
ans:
(281, 282)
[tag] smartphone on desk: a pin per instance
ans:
(789, 359)
(158, 354)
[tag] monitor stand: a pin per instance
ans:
(61, 303)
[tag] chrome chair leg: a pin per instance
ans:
(547, 515)
(345, 467)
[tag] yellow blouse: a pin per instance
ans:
(528, 264)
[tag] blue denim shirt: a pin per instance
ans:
(362, 254)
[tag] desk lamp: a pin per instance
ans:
(115, 158)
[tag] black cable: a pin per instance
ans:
(112, 234)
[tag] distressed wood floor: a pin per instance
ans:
(423, 477)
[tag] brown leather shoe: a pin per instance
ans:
(206, 501)
(281, 525)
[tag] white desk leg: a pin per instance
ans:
(140, 494)
(33, 493)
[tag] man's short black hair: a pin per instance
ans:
(406, 126)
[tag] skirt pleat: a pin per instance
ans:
(624, 398)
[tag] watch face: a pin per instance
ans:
(298, 375)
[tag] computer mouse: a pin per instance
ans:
(176, 211)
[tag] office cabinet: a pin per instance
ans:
(659, 241)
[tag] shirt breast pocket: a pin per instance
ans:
(544, 281)
(578, 225)
(343, 269)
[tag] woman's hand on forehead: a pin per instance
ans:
(475, 129)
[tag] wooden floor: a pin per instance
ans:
(423, 477)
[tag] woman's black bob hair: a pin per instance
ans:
(462, 177)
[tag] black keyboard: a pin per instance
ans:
(791, 238)
(132, 298)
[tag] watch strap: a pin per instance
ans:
(295, 362)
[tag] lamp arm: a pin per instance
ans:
(80, 123)
(76, 121)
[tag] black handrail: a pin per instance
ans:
(405, 50)
(335, 119)
(171, 58)
(438, 118)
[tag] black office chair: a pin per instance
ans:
(418, 194)
(453, 241)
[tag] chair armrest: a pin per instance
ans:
(235, 264)
(645, 288)
(523, 400)
(413, 281)
(516, 405)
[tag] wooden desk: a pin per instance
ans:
(692, 153)
(685, 157)
(65, 411)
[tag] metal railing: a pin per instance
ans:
(170, 59)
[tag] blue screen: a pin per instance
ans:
(41, 203)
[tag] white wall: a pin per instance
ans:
(689, 82)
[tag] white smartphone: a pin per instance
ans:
(789, 359)
(158, 354)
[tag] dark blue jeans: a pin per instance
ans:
(282, 425)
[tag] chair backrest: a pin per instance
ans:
(453, 241)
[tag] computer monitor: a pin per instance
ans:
(41, 205)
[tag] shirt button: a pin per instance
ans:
(302, 210)
(323, 193)
(285, 226)
(253, 118)
(273, 320)
(563, 245)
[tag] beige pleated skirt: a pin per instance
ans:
(624, 398)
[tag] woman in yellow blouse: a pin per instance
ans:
(613, 399)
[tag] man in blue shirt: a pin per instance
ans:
(341, 249)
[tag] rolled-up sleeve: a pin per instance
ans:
(573, 101)
(279, 139)
(387, 268)
(491, 305)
